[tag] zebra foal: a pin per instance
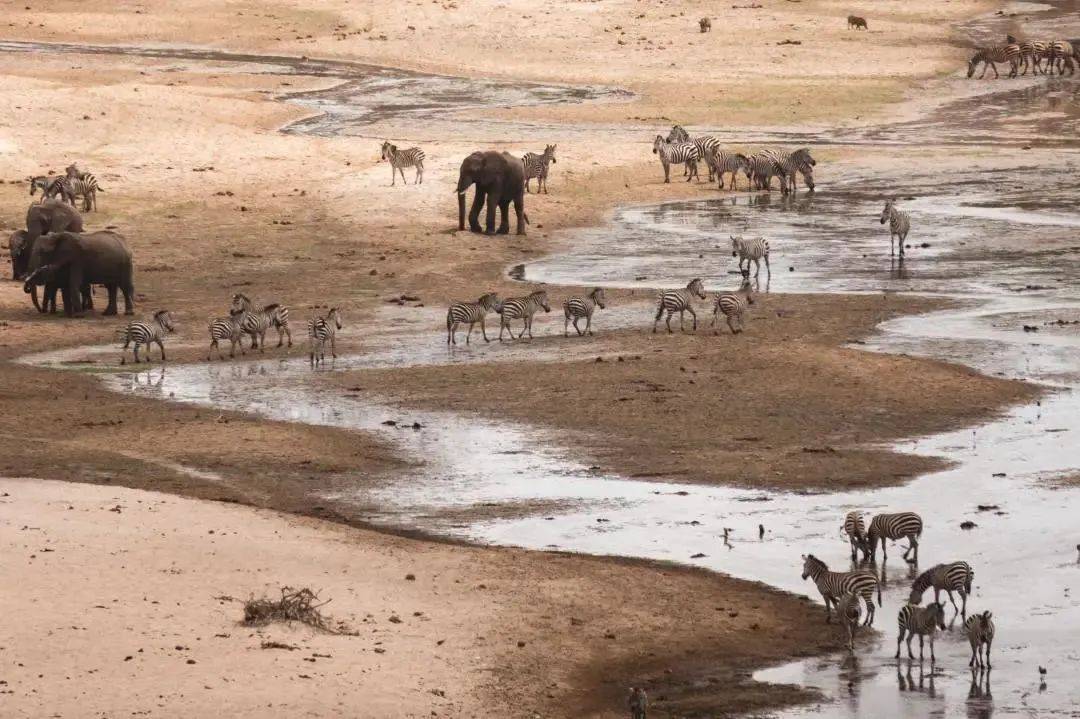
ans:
(894, 527)
(226, 328)
(470, 313)
(834, 585)
(147, 332)
(522, 308)
(733, 305)
(400, 159)
(849, 612)
(952, 577)
(979, 629)
(577, 307)
(681, 301)
(923, 621)
(676, 153)
(537, 165)
(899, 225)
(321, 330)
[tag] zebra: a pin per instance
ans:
(638, 701)
(226, 328)
(705, 24)
(87, 186)
(855, 528)
(707, 146)
(679, 301)
(854, 21)
(751, 251)
(979, 629)
(762, 169)
(321, 329)
(471, 313)
(923, 621)
(536, 165)
(678, 134)
(1032, 52)
(834, 585)
(849, 612)
(733, 305)
(522, 308)
(723, 162)
(894, 526)
(899, 225)
(955, 576)
(989, 56)
(790, 162)
(577, 307)
(400, 159)
(256, 323)
(676, 153)
(1062, 53)
(51, 186)
(147, 332)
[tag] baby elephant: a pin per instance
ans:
(854, 21)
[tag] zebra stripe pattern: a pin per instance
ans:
(834, 585)
(899, 225)
(733, 306)
(147, 332)
(50, 187)
(989, 56)
(522, 308)
(1032, 53)
(226, 328)
(681, 301)
(577, 307)
(257, 323)
(707, 146)
(788, 163)
(952, 577)
(753, 250)
(470, 313)
(723, 162)
(894, 527)
(321, 330)
(762, 169)
(849, 612)
(855, 529)
(537, 165)
(979, 629)
(921, 621)
(1062, 53)
(400, 159)
(676, 154)
(678, 134)
(85, 186)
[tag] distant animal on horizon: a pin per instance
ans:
(400, 159)
(854, 21)
(733, 305)
(470, 313)
(899, 225)
(979, 629)
(320, 331)
(990, 56)
(923, 621)
(681, 301)
(522, 308)
(677, 153)
(145, 332)
(577, 307)
(537, 165)
(705, 24)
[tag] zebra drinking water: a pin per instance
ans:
(894, 527)
(147, 332)
(522, 308)
(788, 163)
(733, 305)
(321, 330)
(537, 165)
(979, 629)
(681, 301)
(471, 313)
(226, 328)
(676, 154)
(923, 621)
(952, 577)
(400, 159)
(855, 529)
(753, 250)
(990, 56)
(899, 225)
(577, 307)
(834, 585)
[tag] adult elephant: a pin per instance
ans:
(49, 216)
(500, 179)
(73, 261)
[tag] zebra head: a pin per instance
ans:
(887, 211)
(388, 151)
(549, 152)
(678, 134)
(811, 566)
(695, 287)
(241, 302)
(937, 611)
(736, 243)
(491, 302)
(657, 144)
(974, 61)
(36, 182)
(598, 297)
(542, 299)
(334, 314)
(163, 318)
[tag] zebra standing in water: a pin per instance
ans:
(724, 162)
(733, 305)
(1062, 53)
(789, 163)
(321, 329)
(855, 528)
(899, 225)
(470, 312)
(680, 301)
(1032, 53)
(147, 332)
(400, 159)
(256, 323)
(577, 307)
(924, 621)
(834, 585)
(955, 576)
(849, 612)
(979, 630)
(537, 165)
(675, 154)
(894, 527)
(226, 328)
(989, 56)
(754, 250)
(522, 308)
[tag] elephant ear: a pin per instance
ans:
(50, 241)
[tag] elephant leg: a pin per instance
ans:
(111, 308)
(504, 222)
(489, 217)
(519, 210)
(129, 302)
(474, 211)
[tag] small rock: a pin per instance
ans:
(410, 577)
(968, 524)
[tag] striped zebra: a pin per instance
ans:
(707, 146)
(226, 328)
(921, 621)
(722, 163)
(733, 306)
(470, 312)
(894, 527)
(788, 163)
(257, 322)
(899, 225)
(979, 629)
(537, 165)
(834, 585)
(849, 612)
(86, 186)
(522, 308)
(855, 529)
(952, 577)
(678, 134)
(754, 250)
(577, 307)
(1062, 53)
(400, 159)
(147, 332)
(674, 154)
(990, 56)
(762, 169)
(1032, 53)
(321, 330)
(51, 186)
(681, 301)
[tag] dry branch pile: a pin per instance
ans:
(294, 605)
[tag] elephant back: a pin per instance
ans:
(52, 216)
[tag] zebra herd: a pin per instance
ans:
(1042, 57)
(575, 308)
(536, 165)
(847, 592)
(72, 184)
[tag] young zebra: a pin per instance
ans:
(321, 329)
(522, 308)
(923, 621)
(859, 23)
(537, 165)
(894, 527)
(855, 528)
(733, 305)
(675, 154)
(256, 323)
(86, 186)
(788, 163)
(577, 307)
(147, 332)
(400, 159)
(226, 328)
(680, 301)
(762, 169)
(754, 250)
(724, 162)
(849, 612)
(834, 585)
(1032, 53)
(470, 312)
(955, 576)
(50, 187)
(707, 146)
(979, 629)
(899, 225)
(989, 56)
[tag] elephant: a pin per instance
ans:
(73, 261)
(499, 178)
(50, 216)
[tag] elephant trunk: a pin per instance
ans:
(31, 280)
(461, 208)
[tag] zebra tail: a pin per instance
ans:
(878, 592)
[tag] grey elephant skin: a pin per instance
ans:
(49, 216)
(73, 260)
(500, 179)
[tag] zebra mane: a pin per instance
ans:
(923, 581)
(161, 313)
(538, 293)
(241, 296)
(272, 306)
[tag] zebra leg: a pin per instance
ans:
(419, 179)
(667, 170)
(932, 657)
(988, 642)
(450, 327)
(502, 326)
(869, 601)
(694, 315)
(669, 315)
(393, 175)
(951, 600)
(659, 313)
(468, 335)
(963, 610)
(135, 351)
(731, 325)
(527, 188)
(161, 346)
(566, 325)
(899, 639)
(768, 270)
(483, 330)
(529, 322)
(588, 325)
